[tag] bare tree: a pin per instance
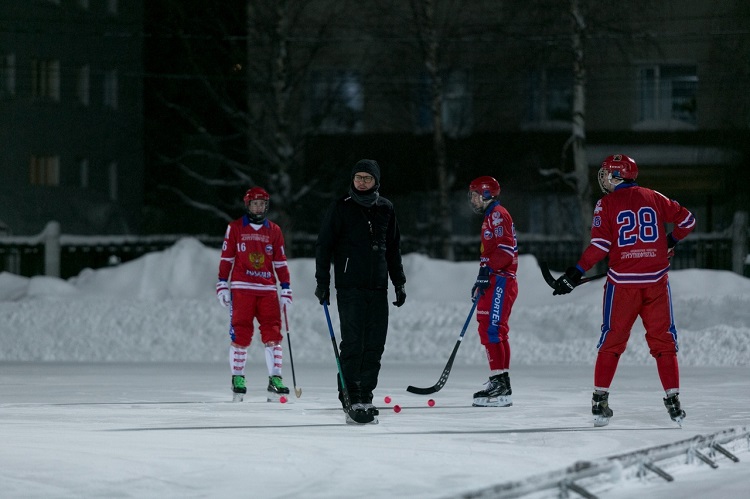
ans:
(248, 123)
(607, 23)
(577, 140)
(424, 19)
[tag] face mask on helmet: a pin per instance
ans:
(482, 191)
(257, 201)
(615, 170)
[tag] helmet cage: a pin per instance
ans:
(257, 194)
(488, 189)
(615, 170)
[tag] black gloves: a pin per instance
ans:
(566, 282)
(323, 294)
(400, 296)
(482, 283)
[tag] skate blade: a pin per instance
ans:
(492, 402)
(679, 420)
(600, 421)
(238, 397)
(276, 397)
(349, 420)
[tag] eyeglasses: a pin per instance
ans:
(364, 178)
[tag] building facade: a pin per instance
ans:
(71, 114)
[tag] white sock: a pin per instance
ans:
(273, 359)
(237, 359)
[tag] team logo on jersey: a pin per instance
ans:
(488, 234)
(598, 207)
(269, 249)
(256, 260)
(255, 237)
(497, 216)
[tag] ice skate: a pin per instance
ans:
(238, 388)
(362, 410)
(371, 409)
(600, 408)
(496, 392)
(276, 388)
(672, 403)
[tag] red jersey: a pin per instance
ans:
(499, 249)
(253, 256)
(629, 226)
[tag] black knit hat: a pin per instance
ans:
(367, 165)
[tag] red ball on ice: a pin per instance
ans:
(387, 399)
(431, 403)
(397, 408)
(282, 399)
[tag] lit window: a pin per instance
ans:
(113, 181)
(83, 84)
(45, 79)
(7, 76)
(44, 170)
(550, 95)
(110, 89)
(456, 113)
(84, 170)
(668, 93)
(337, 103)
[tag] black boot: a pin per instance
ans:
(672, 403)
(600, 408)
(496, 392)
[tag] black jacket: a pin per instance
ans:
(364, 245)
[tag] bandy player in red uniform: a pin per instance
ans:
(629, 227)
(496, 289)
(253, 253)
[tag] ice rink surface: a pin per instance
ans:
(71, 430)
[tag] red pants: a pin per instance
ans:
(247, 306)
(621, 306)
(493, 312)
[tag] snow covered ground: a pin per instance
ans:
(116, 384)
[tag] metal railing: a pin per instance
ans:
(61, 255)
(584, 476)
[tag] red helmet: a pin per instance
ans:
(615, 170)
(255, 194)
(486, 186)
(621, 166)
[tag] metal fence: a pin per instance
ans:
(585, 476)
(51, 253)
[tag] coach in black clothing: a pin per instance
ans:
(360, 235)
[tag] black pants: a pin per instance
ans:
(363, 314)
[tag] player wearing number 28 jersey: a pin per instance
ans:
(629, 228)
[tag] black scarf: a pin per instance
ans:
(364, 198)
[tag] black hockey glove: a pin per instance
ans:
(566, 282)
(671, 243)
(323, 294)
(482, 282)
(400, 296)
